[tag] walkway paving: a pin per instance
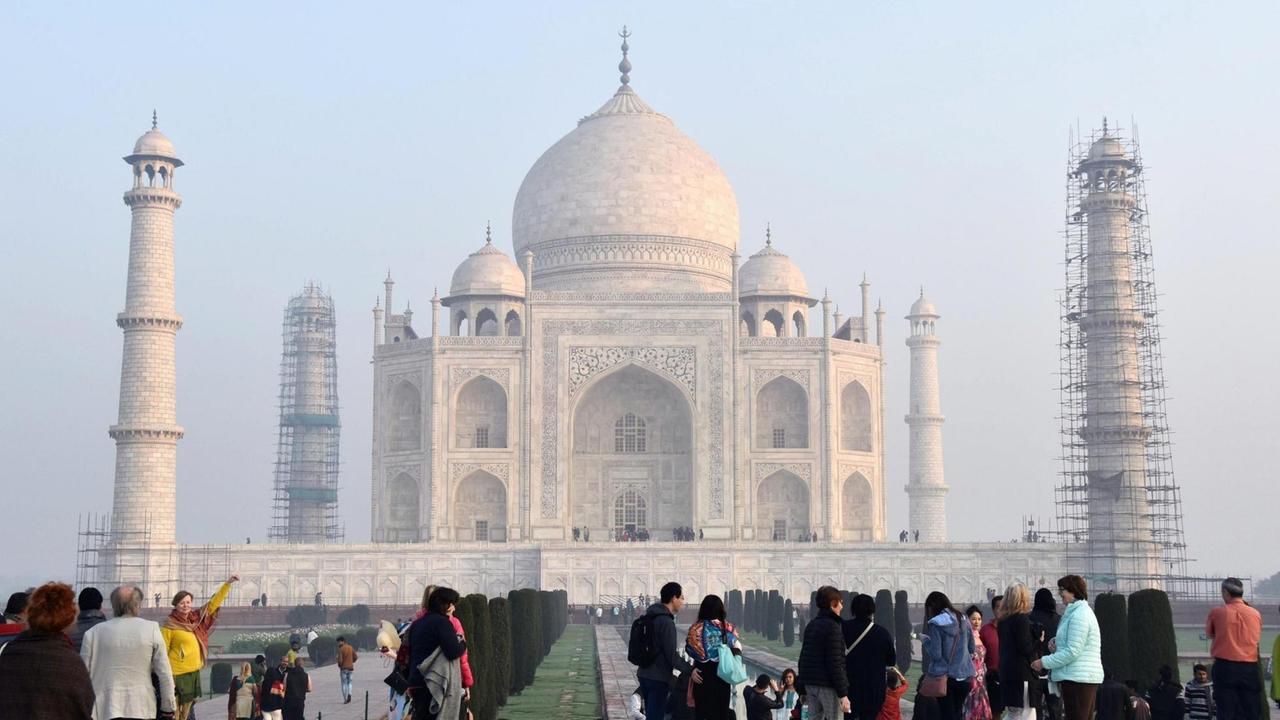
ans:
(617, 675)
(325, 700)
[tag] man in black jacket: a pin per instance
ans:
(656, 678)
(821, 669)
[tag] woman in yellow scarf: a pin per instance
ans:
(186, 635)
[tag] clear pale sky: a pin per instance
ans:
(923, 143)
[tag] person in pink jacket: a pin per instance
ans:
(467, 679)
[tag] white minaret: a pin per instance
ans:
(926, 488)
(147, 433)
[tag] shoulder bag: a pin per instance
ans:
(859, 638)
(936, 687)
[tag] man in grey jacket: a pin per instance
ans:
(121, 654)
(657, 677)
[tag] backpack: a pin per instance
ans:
(642, 646)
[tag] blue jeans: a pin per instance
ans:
(345, 677)
(654, 693)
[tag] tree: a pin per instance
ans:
(354, 615)
(884, 609)
(484, 704)
(220, 677)
(300, 616)
(500, 630)
(788, 625)
(773, 627)
(1113, 624)
(323, 650)
(846, 597)
(902, 630)
(762, 612)
(1152, 640)
(526, 641)
(733, 606)
(749, 611)
(813, 605)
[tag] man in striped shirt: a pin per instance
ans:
(1198, 695)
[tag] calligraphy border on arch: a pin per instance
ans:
(678, 363)
(761, 376)
(713, 330)
(459, 375)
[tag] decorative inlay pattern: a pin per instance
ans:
(479, 341)
(677, 363)
(713, 330)
(806, 342)
(644, 298)
(760, 376)
(848, 468)
(457, 471)
(804, 471)
(414, 377)
(459, 375)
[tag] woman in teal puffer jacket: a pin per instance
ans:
(1075, 664)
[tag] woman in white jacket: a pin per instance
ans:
(121, 654)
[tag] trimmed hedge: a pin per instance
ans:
(773, 630)
(322, 651)
(500, 629)
(274, 651)
(789, 625)
(306, 615)
(1112, 612)
(220, 678)
(484, 702)
(902, 630)
(354, 615)
(1152, 641)
(366, 638)
(884, 609)
(748, 611)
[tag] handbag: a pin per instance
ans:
(730, 668)
(936, 687)
(397, 681)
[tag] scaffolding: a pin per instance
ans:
(105, 559)
(1100, 405)
(306, 469)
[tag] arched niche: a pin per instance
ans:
(480, 414)
(660, 469)
(486, 323)
(857, 508)
(782, 507)
(403, 512)
(405, 426)
(480, 508)
(856, 425)
(782, 415)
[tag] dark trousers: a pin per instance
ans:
(992, 680)
(422, 705)
(654, 693)
(1078, 699)
(1237, 689)
(711, 696)
(951, 707)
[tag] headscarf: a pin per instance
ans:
(198, 623)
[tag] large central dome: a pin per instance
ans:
(627, 202)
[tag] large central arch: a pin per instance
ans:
(632, 443)
(480, 508)
(782, 507)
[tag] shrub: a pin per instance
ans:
(354, 615)
(306, 615)
(274, 651)
(1113, 624)
(884, 609)
(846, 597)
(500, 629)
(366, 638)
(220, 678)
(902, 630)
(1152, 641)
(733, 606)
(322, 651)
(776, 608)
(484, 704)
(788, 625)
(748, 610)
(762, 612)
(526, 637)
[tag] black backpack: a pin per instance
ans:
(642, 646)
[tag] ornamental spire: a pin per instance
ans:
(624, 67)
(154, 120)
(488, 234)
(768, 235)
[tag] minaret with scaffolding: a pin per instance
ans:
(1118, 506)
(306, 475)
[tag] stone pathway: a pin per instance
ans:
(617, 675)
(325, 700)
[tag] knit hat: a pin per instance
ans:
(90, 599)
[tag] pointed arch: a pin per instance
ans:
(480, 414)
(798, 324)
(513, 325)
(782, 507)
(857, 508)
(857, 428)
(748, 326)
(461, 325)
(486, 323)
(773, 324)
(405, 420)
(403, 511)
(782, 415)
(480, 508)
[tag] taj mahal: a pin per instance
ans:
(635, 366)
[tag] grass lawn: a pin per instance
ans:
(564, 687)
(777, 647)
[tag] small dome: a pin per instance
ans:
(487, 271)
(154, 142)
(1107, 147)
(769, 272)
(924, 306)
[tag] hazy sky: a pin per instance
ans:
(921, 143)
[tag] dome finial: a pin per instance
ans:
(921, 291)
(154, 120)
(768, 235)
(488, 235)
(1104, 126)
(624, 67)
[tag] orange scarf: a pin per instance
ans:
(198, 623)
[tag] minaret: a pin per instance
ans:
(1122, 544)
(144, 506)
(926, 488)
